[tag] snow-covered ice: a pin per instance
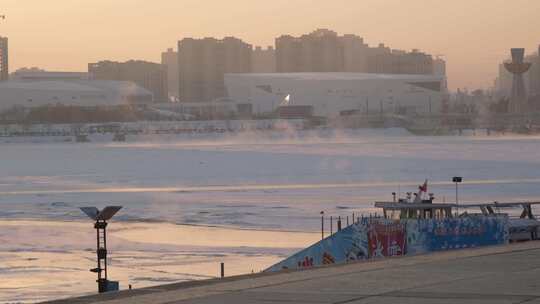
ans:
(257, 181)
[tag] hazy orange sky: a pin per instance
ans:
(473, 35)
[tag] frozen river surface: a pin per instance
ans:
(268, 183)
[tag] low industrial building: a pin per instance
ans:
(335, 94)
(78, 93)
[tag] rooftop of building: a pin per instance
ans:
(340, 76)
(39, 74)
(73, 85)
(132, 62)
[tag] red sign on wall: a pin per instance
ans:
(386, 240)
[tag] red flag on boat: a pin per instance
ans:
(423, 188)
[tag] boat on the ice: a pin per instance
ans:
(523, 224)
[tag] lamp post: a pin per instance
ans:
(322, 225)
(457, 180)
(101, 218)
(367, 105)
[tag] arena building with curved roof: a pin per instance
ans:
(331, 94)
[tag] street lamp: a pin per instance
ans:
(457, 180)
(322, 225)
(101, 218)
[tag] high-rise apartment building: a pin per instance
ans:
(169, 59)
(414, 62)
(355, 54)
(534, 74)
(289, 55)
(151, 76)
(383, 60)
(439, 67)
(380, 59)
(320, 51)
(324, 51)
(503, 82)
(203, 63)
(4, 59)
(263, 60)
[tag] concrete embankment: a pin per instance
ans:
(502, 274)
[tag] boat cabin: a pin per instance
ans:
(523, 224)
(424, 210)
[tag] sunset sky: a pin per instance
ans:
(473, 35)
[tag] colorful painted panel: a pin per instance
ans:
(448, 234)
(350, 244)
(386, 240)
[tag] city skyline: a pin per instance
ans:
(69, 35)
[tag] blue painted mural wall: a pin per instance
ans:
(350, 244)
(447, 234)
(376, 238)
